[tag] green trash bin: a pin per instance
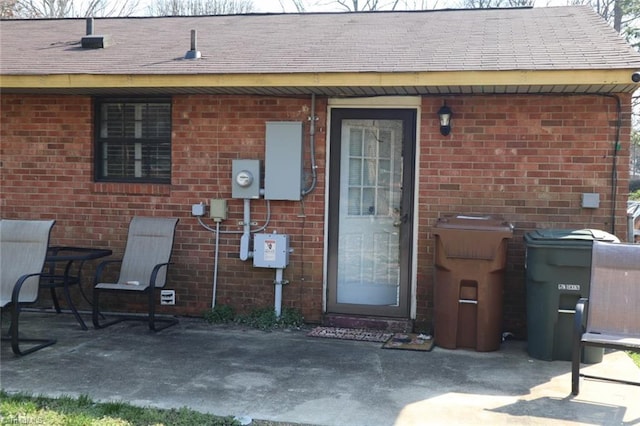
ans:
(558, 273)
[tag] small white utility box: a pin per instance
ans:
(271, 251)
(590, 200)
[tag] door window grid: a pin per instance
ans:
(370, 171)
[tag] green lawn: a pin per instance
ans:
(24, 409)
(67, 411)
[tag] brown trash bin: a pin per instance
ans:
(470, 259)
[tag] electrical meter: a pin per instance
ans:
(245, 179)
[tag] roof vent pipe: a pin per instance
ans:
(194, 53)
(94, 41)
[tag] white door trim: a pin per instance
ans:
(376, 102)
(408, 102)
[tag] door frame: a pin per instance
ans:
(409, 241)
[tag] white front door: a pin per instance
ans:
(368, 248)
(369, 212)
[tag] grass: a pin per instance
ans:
(261, 318)
(82, 411)
(635, 356)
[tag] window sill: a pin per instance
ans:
(120, 188)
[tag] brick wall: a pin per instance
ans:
(527, 158)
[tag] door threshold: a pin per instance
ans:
(395, 325)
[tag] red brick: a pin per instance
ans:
(512, 155)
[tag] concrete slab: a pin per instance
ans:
(289, 377)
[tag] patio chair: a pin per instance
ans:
(143, 269)
(23, 249)
(612, 310)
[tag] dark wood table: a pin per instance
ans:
(70, 260)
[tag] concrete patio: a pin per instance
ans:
(287, 376)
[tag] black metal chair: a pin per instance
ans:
(143, 269)
(23, 249)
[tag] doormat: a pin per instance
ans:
(410, 341)
(361, 334)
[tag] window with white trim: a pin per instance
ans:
(133, 140)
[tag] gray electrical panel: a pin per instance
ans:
(271, 251)
(245, 179)
(283, 161)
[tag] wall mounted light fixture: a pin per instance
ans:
(445, 114)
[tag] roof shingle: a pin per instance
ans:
(557, 38)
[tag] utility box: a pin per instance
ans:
(470, 260)
(283, 161)
(590, 201)
(245, 179)
(271, 251)
(558, 273)
(218, 209)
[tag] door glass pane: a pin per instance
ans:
(385, 144)
(369, 172)
(355, 171)
(384, 172)
(354, 202)
(355, 143)
(368, 201)
(370, 188)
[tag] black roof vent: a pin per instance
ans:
(94, 41)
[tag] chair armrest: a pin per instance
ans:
(579, 325)
(102, 266)
(580, 317)
(155, 271)
(15, 294)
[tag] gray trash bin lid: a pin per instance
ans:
(572, 237)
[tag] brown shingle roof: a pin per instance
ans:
(557, 38)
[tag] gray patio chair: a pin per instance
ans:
(23, 249)
(612, 310)
(143, 269)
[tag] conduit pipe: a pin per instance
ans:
(614, 171)
(278, 292)
(312, 146)
(262, 228)
(215, 265)
(246, 232)
(243, 240)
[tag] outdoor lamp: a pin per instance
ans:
(445, 114)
